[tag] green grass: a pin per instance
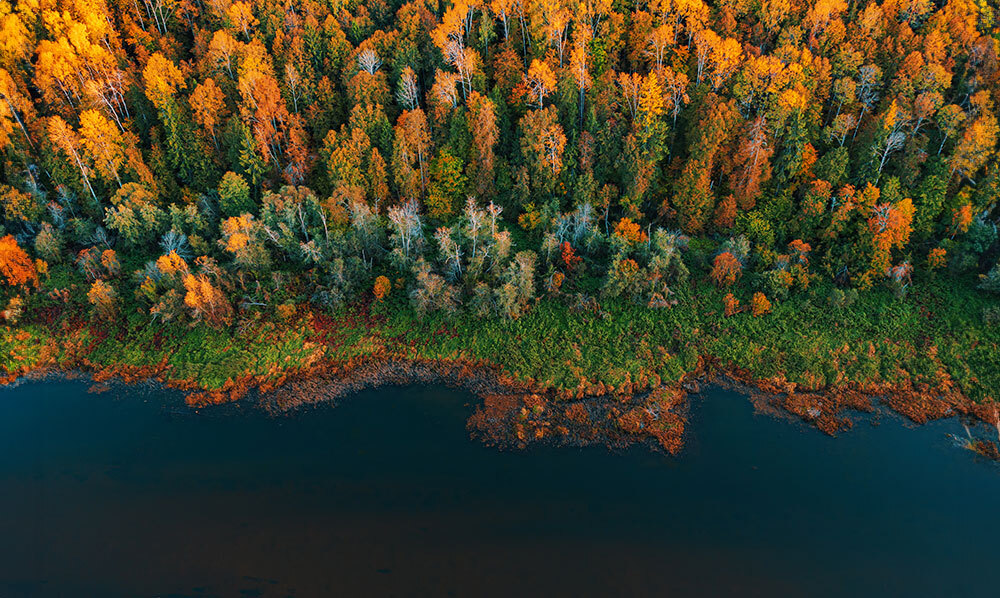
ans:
(937, 328)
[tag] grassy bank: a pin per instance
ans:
(935, 337)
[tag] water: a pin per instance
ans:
(129, 493)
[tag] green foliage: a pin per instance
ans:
(447, 186)
(234, 195)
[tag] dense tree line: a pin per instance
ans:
(482, 153)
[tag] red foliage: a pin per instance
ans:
(569, 256)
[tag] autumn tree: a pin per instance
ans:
(726, 269)
(540, 81)
(542, 145)
(411, 151)
(208, 107)
(485, 134)
(15, 264)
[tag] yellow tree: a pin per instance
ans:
(660, 40)
(650, 106)
(411, 148)
(208, 106)
(724, 58)
(206, 301)
(241, 16)
(222, 51)
(541, 81)
(975, 147)
(103, 143)
(578, 65)
(162, 79)
(102, 296)
(13, 104)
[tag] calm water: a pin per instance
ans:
(129, 493)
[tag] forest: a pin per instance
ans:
(209, 164)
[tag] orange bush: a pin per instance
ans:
(382, 288)
(759, 305)
(726, 269)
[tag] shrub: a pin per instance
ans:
(759, 305)
(382, 288)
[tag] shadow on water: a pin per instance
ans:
(128, 493)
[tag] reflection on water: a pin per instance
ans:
(128, 493)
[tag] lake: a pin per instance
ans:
(131, 493)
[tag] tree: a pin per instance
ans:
(162, 80)
(134, 214)
(408, 95)
(893, 127)
(64, 138)
(726, 269)
(976, 146)
(206, 301)
(579, 68)
(208, 107)
(447, 185)
(411, 148)
(541, 81)
(104, 299)
(15, 265)
(759, 305)
(752, 164)
(949, 120)
(13, 105)
(485, 134)
(234, 195)
(381, 288)
(19, 206)
(241, 16)
(222, 51)
(103, 144)
(731, 305)
(542, 145)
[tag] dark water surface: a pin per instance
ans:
(129, 493)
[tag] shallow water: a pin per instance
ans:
(130, 493)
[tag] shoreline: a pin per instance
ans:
(514, 413)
